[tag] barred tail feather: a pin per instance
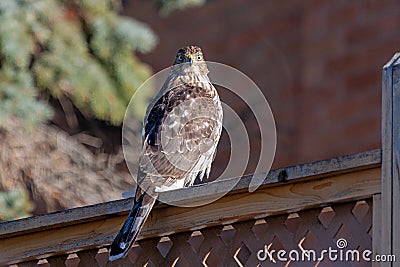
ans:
(131, 228)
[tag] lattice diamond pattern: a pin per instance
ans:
(292, 222)
(242, 254)
(72, 260)
(326, 216)
(227, 234)
(195, 240)
(260, 229)
(237, 244)
(164, 246)
(360, 210)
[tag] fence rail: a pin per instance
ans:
(284, 191)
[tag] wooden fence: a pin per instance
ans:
(354, 199)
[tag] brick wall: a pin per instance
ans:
(317, 62)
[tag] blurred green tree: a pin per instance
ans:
(14, 204)
(166, 6)
(78, 51)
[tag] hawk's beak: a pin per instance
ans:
(190, 59)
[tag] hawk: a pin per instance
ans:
(181, 131)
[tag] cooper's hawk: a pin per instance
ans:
(181, 131)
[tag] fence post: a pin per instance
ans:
(390, 226)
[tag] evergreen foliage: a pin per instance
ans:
(78, 50)
(167, 6)
(14, 204)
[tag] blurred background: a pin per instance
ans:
(69, 67)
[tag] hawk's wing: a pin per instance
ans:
(181, 134)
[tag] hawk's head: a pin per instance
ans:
(190, 59)
(189, 54)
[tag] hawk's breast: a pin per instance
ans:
(182, 131)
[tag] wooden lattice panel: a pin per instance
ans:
(237, 244)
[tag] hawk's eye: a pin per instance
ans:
(199, 57)
(180, 57)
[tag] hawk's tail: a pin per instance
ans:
(131, 228)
